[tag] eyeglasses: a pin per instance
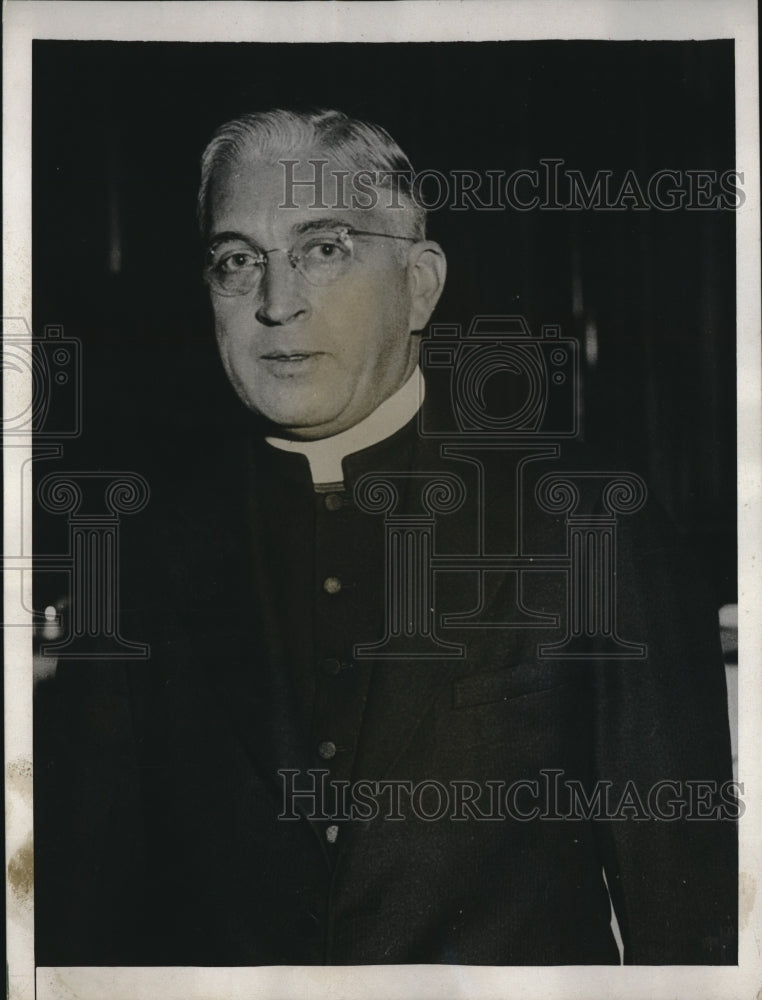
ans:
(236, 267)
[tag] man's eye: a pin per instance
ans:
(325, 250)
(238, 260)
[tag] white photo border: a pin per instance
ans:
(407, 20)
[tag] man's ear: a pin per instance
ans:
(427, 270)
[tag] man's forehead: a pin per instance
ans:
(307, 188)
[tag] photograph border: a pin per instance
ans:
(407, 20)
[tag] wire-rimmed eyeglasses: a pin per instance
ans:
(234, 266)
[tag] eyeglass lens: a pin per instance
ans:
(235, 268)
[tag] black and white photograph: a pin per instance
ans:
(382, 473)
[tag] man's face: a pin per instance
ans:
(314, 360)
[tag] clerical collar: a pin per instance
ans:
(325, 456)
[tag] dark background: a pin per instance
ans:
(118, 129)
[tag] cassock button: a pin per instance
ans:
(332, 585)
(331, 833)
(333, 501)
(331, 666)
(327, 750)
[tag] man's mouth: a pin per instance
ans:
(289, 355)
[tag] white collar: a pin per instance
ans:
(325, 456)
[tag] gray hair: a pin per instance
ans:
(271, 135)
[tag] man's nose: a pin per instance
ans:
(282, 293)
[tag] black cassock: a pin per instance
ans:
(160, 797)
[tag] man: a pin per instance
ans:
(269, 789)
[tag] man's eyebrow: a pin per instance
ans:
(230, 236)
(308, 226)
(327, 222)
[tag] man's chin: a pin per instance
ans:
(300, 423)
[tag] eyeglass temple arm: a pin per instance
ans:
(389, 236)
